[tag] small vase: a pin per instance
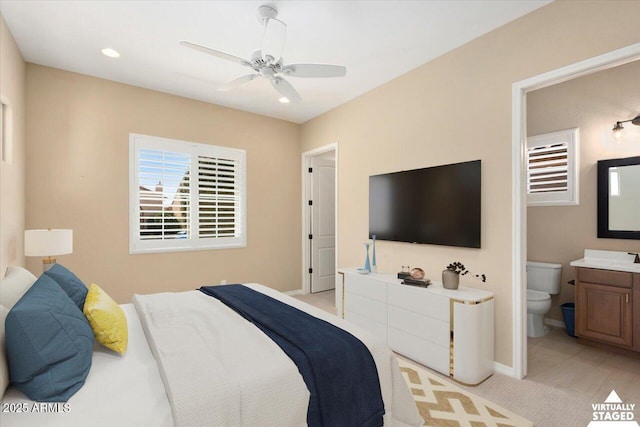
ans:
(367, 263)
(450, 279)
(374, 263)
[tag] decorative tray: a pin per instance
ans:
(413, 282)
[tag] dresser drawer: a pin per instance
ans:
(419, 300)
(362, 284)
(366, 307)
(423, 327)
(422, 351)
(376, 328)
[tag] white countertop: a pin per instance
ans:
(607, 260)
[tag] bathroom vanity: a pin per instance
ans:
(608, 299)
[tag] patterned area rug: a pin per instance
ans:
(443, 404)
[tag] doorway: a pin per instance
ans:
(519, 211)
(319, 211)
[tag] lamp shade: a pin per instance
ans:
(48, 242)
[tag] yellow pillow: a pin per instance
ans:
(107, 319)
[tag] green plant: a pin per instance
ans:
(459, 268)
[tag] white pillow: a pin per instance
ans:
(15, 283)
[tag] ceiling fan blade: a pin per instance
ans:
(216, 53)
(314, 70)
(285, 89)
(237, 82)
(275, 32)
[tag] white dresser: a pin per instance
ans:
(450, 331)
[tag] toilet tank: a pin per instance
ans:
(543, 276)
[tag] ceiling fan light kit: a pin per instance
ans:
(267, 62)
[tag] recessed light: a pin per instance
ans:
(284, 100)
(111, 53)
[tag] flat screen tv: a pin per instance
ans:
(437, 205)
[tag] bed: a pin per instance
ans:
(159, 381)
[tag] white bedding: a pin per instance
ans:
(129, 391)
(252, 382)
(119, 391)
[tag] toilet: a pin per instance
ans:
(543, 280)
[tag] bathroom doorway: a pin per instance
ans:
(521, 92)
(559, 233)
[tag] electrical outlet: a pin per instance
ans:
(223, 282)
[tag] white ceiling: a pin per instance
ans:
(376, 40)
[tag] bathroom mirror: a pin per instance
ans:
(619, 198)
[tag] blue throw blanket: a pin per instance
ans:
(337, 368)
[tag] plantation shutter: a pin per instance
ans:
(552, 171)
(548, 168)
(219, 197)
(185, 196)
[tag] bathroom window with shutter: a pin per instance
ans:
(552, 168)
(185, 196)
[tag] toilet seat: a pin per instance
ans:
(533, 295)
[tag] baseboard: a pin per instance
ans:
(503, 369)
(294, 292)
(556, 323)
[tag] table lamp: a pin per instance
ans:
(47, 243)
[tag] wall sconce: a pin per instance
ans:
(46, 243)
(618, 129)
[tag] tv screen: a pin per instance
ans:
(438, 205)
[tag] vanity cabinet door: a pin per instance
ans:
(604, 313)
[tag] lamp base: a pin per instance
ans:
(47, 263)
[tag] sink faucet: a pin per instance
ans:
(637, 258)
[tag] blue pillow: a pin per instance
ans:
(69, 283)
(49, 343)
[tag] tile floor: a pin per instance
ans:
(558, 360)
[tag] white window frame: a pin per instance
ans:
(569, 197)
(193, 242)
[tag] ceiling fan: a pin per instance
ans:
(267, 62)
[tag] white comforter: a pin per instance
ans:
(219, 369)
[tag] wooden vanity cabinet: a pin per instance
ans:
(607, 311)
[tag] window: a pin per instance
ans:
(552, 169)
(185, 196)
(614, 182)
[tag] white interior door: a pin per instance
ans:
(323, 224)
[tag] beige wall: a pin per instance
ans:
(78, 155)
(593, 103)
(456, 108)
(12, 171)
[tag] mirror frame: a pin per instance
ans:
(603, 199)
